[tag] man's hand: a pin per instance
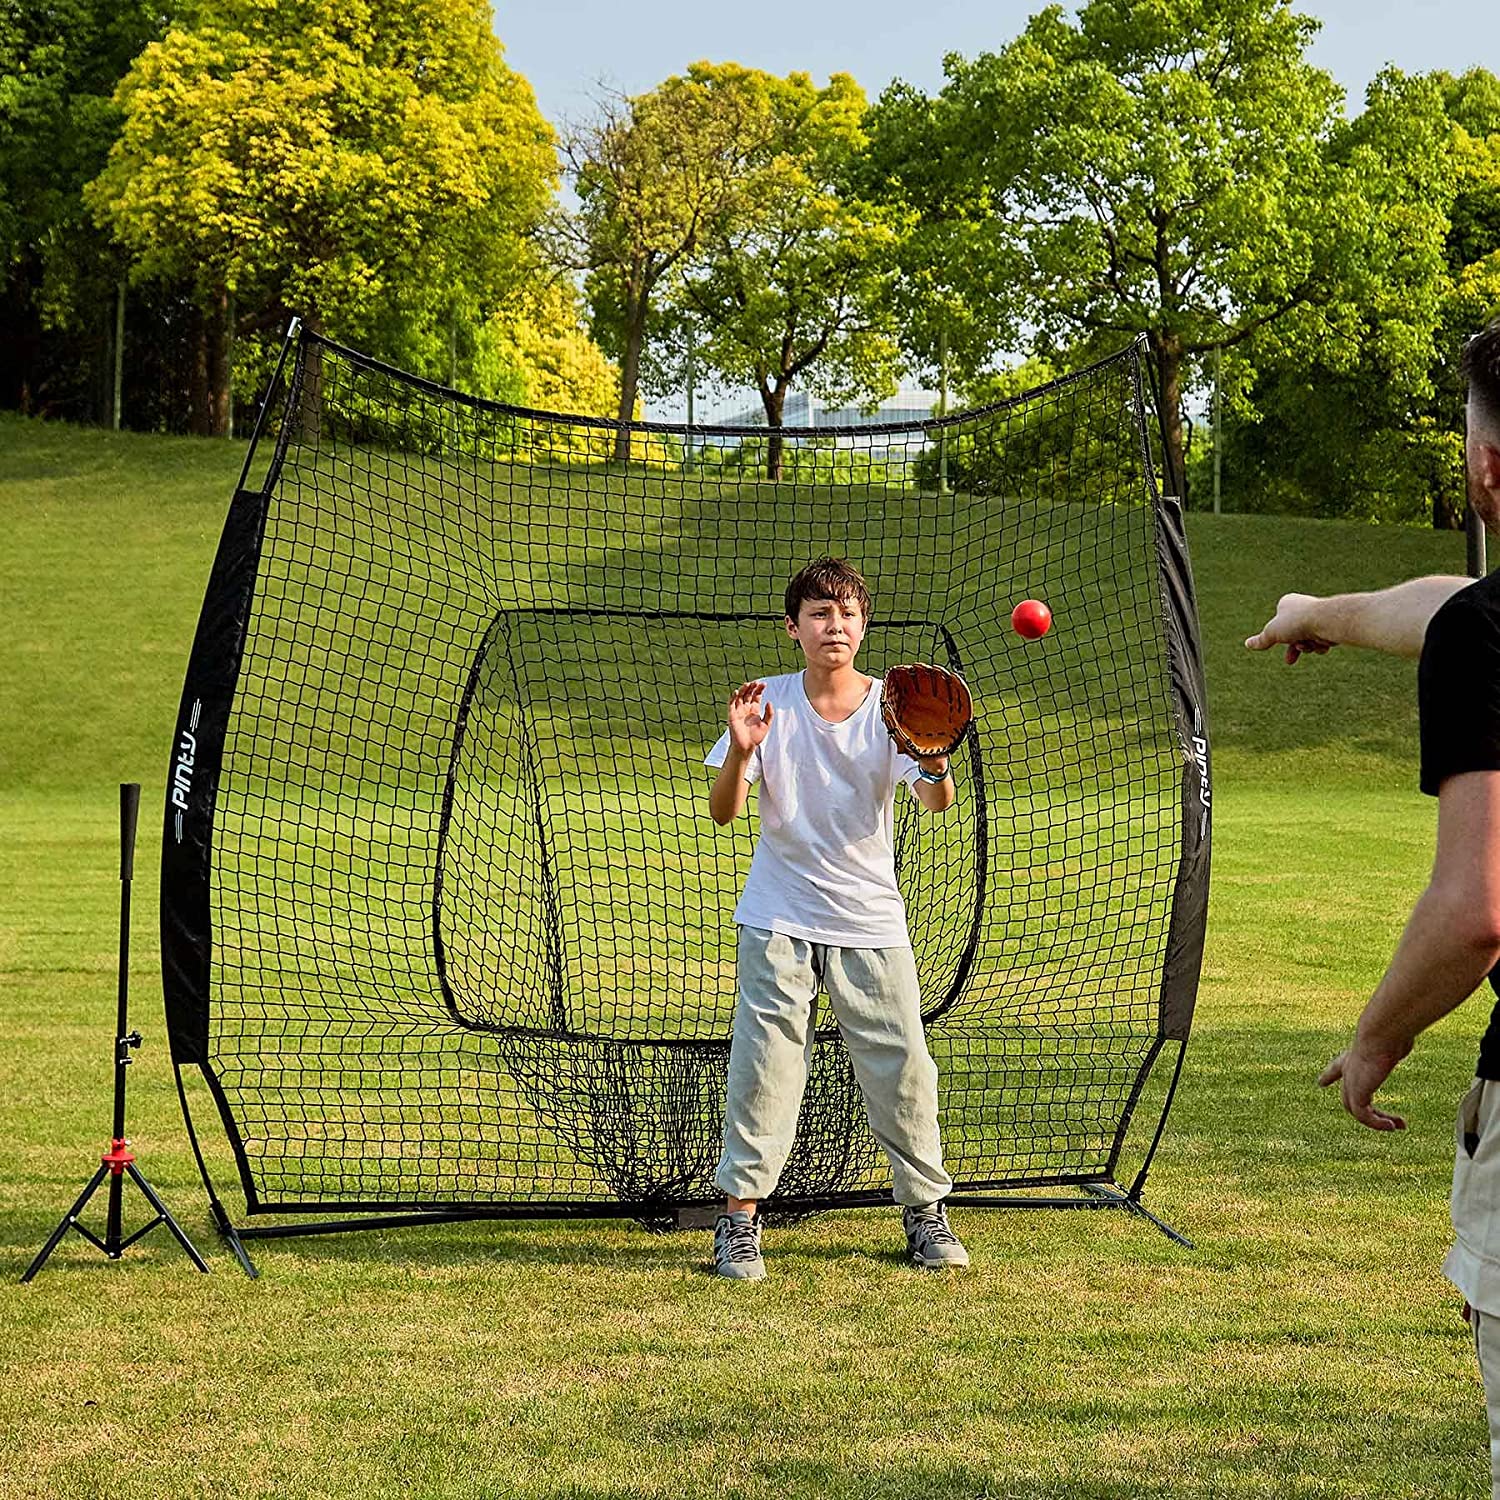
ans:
(1392, 620)
(1361, 1070)
(1292, 626)
(748, 727)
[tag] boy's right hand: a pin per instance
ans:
(748, 727)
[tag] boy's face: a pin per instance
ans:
(828, 630)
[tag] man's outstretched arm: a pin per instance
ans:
(1393, 620)
(1451, 941)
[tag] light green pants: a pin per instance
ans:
(877, 1004)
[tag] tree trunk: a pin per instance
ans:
(198, 398)
(630, 370)
(220, 336)
(774, 401)
(309, 415)
(117, 374)
(1449, 502)
(1168, 351)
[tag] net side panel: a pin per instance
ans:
(193, 778)
(471, 941)
(1184, 957)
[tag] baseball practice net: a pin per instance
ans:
(446, 924)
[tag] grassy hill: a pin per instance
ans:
(109, 538)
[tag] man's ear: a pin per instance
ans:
(791, 627)
(1488, 467)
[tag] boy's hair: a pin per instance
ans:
(1480, 367)
(827, 578)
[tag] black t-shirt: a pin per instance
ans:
(1458, 700)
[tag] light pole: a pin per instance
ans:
(943, 408)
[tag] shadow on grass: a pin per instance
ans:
(618, 1245)
(1249, 1123)
(1275, 1475)
(613, 1244)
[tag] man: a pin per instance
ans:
(1452, 939)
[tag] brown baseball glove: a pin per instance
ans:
(927, 710)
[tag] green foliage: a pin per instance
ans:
(59, 65)
(1061, 446)
(1473, 104)
(1335, 444)
(533, 353)
(1473, 246)
(958, 265)
(651, 172)
(1157, 164)
(791, 286)
(1165, 167)
(1367, 421)
(805, 461)
(540, 340)
(721, 200)
(375, 168)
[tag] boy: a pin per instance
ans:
(821, 907)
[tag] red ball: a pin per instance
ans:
(1031, 619)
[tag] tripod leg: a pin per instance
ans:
(66, 1225)
(166, 1217)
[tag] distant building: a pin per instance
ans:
(803, 410)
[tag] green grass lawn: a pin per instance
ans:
(1308, 1347)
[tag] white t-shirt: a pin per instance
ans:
(824, 867)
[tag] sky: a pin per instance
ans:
(568, 47)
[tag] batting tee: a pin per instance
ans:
(446, 926)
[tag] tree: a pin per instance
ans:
(1369, 424)
(377, 169)
(1473, 241)
(651, 172)
(793, 286)
(59, 65)
(958, 262)
(1158, 167)
(539, 343)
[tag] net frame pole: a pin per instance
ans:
(288, 341)
(1091, 1197)
(225, 1225)
(1190, 899)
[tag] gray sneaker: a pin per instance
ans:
(737, 1247)
(930, 1241)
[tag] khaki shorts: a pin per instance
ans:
(1473, 1264)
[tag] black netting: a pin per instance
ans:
(446, 919)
